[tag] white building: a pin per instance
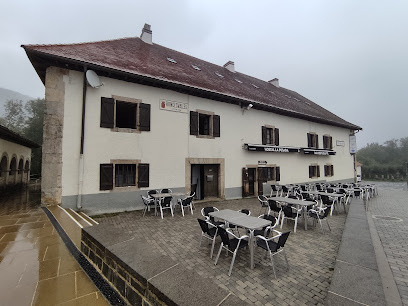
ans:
(15, 158)
(164, 119)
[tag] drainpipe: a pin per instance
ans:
(81, 152)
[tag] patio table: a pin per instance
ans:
(157, 197)
(302, 204)
(245, 221)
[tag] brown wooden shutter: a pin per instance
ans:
(332, 170)
(309, 140)
(264, 137)
(276, 131)
(330, 143)
(216, 126)
(245, 182)
(106, 177)
(143, 175)
(325, 170)
(310, 171)
(107, 112)
(277, 174)
(193, 123)
(317, 141)
(325, 142)
(318, 171)
(144, 117)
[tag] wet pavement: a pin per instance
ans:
(36, 268)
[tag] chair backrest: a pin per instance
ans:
(357, 193)
(165, 190)
(224, 236)
(326, 199)
(303, 187)
(273, 205)
(306, 196)
(282, 240)
(270, 218)
(287, 210)
(262, 199)
(319, 187)
(274, 187)
(166, 201)
(145, 200)
(325, 213)
(150, 192)
(245, 211)
(285, 189)
(186, 201)
(192, 194)
(330, 190)
(206, 210)
(292, 197)
(203, 225)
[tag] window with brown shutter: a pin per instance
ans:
(123, 116)
(143, 175)
(204, 124)
(327, 142)
(328, 170)
(106, 177)
(144, 117)
(314, 171)
(312, 140)
(193, 123)
(270, 135)
(107, 112)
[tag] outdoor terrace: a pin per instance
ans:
(311, 254)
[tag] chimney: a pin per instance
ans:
(146, 35)
(230, 66)
(274, 82)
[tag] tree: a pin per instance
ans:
(34, 131)
(15, 116)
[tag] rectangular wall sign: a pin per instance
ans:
(179, 107)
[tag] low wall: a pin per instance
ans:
(144, 277)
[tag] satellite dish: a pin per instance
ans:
(93, 79)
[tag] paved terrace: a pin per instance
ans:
(311, 255)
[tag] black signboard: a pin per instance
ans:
(266, 148)
(322, 152)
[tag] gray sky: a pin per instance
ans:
(349, 56)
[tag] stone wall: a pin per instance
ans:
(51, 188)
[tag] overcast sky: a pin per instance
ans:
(349, 56)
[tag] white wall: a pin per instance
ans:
(169, 142)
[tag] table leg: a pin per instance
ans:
(251, 248)
(305, 217)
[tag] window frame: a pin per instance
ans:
(274, 135)
(314, 171)
(275, 171)
(213, 121)
(111, 123)
(312, 140)
(138, 183)
(328, 170)
(327, 142)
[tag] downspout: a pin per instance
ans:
(81, 152)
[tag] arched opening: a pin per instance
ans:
(3, 166)
(27, 166)
(20, 166)
(13, 166)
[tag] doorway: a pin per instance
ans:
(206, 178)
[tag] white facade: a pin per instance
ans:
(168, 145)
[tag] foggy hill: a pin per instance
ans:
(6, 94)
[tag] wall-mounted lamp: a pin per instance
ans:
(244, 108)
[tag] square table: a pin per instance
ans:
(245, 221)
(296, 202)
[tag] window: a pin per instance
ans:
(125, 175)
(270, 135)
(272, 173)
(120, 174)
(327, 142)
(204, 124)
(121, 113)
(314, 171)
(328, 170)
(312, 140)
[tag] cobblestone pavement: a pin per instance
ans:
(393, 232)
(311, 255)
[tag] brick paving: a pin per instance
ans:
(311, 255)
(393, 233)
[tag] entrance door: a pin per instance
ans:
(251, 181)
(210, 181)
(261, 179)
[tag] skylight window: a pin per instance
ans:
(196, 67)
(296, 99)
(218, 74)
(272, 93)
(255, 86)
(238, 80)
(172, 60)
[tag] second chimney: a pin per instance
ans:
(146, 35)
(274, 82)
(230, 66)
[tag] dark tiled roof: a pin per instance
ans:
(11, 136)
(133, 56)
